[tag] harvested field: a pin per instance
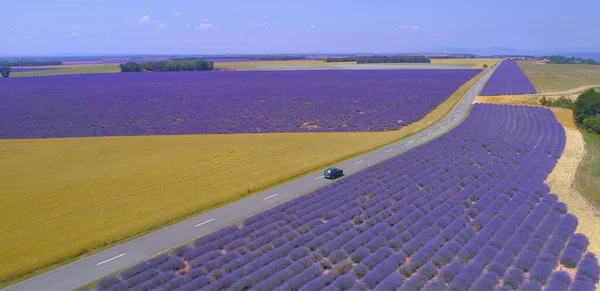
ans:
(108, 187)
(474, 63)
(555, 77)
(509, 99)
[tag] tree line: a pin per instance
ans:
(28, 63)
(380, 59)
(586, 110)
(168, 66)
(571, 60)
(276, 58)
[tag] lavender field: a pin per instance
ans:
(467, 211)
(221, 102)
(508, 80)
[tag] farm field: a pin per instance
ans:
(589, 173)
(222, 102)
(31, 69)
(66, 70)
(76, 167)
(475, 63)
(554, 77)
(467, 210)
(508, 80)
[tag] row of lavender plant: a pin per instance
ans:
(221, 102)
(508, 79)
(467, 211)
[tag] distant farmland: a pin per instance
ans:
(221, 102)
(560, 77)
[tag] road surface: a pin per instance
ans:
(91, 268)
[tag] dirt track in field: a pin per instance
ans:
(570, 91)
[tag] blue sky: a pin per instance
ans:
(267, 26)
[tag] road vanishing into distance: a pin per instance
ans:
(96, 266)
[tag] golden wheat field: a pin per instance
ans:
(64, 196)
(475, 63)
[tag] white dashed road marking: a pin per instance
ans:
(388, 151)
(271, 196)
(203, 223)
(358, 162)
(110, 259)
(318, 178)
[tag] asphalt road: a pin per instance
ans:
(91, 268)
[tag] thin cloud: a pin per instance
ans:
(161, 25)
(204, 26)
(74, 34)
(74, 27)
(409, 28)
(128, 19)
(205, 20)
(313, 26)
(145, 20)
(11, 29)
(176, 13)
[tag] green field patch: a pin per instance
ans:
(589, 170)
(70, 70)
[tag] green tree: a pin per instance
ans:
(5, 72)
(485, 66)
(587, 105)
(130, 67)
(592, 124)
(168, 66)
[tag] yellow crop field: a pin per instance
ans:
(62, 197)
(475, 63)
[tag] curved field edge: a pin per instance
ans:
(574, 178)
(111, 154)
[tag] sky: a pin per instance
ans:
(45, 27)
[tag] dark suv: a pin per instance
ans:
(332, 173)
